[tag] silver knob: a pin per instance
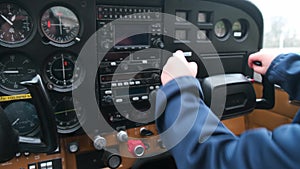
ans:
(139, 150)
(122, 136)
(99, 142)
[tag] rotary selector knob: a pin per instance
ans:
(108, 99)
(155, 77)
(159, 43)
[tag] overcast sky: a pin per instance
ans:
(288, 9)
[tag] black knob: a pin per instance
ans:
(146, 132)
(155, 77)
(108, 99)
(159, 43)
(111, 160)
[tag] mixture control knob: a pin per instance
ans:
(99, 142)
(159, 43)
(136, 147)
(122, 136)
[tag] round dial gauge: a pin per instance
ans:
(239, 29)
(23, 117)
(221, 29)
(16, 25)
(15, 68)
(62, 72)
(67, 119)
(60, 25)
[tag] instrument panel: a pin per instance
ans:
(132, 41)
(47, 38)
(43, 38)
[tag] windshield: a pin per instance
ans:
(281, 24)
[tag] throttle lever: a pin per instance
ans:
(268, 99)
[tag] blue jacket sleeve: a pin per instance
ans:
(197, 139)
(285, 71)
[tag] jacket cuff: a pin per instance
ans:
(273, 73)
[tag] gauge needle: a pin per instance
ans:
(11, 71)
(7, 20)
(60, 26)
(63, 68)
(15, 122)
(64, 111)
(13, 18)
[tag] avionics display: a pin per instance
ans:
(123, 30)
(130, 68)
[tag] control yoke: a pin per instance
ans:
(11, 143)
(268, 99)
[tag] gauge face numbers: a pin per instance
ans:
(60, 25)
(15, 68)
(63, 73)
(67, 119)
(221, 29)
(23, 117)
(16, 25)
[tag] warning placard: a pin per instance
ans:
(15, 97)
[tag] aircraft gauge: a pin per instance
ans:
(61, 26)
(62, 72)
(16, 25)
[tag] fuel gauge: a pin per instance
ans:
(240, 29)
(221, 28)
(23, 117)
